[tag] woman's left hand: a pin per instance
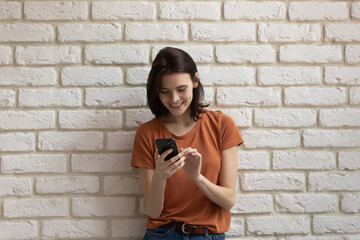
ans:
(193, 162)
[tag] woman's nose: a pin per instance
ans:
(174, 97)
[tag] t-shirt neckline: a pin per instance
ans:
(190, 133)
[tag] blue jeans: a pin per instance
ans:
(170, 232)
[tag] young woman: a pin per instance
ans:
(190, 195)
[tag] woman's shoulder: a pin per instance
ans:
(148, 126)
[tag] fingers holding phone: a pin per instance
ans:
(168, 160)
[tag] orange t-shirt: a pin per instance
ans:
(183, 200)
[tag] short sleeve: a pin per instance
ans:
(230, 135)
(143, 154)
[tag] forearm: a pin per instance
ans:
(154, 199)
(222, 196)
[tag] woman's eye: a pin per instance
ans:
(181, 90)
(164, 92)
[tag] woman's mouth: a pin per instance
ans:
(176, 106)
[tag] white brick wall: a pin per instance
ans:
(73, 91)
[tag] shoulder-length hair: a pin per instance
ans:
(173, 60)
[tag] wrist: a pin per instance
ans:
(199, 179)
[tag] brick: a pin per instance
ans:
(200, 54)
(334, 181)
(40, 55)
(90, 32)
(103, 206)
(237, 226)
(15, 186)
(56, 10)
(355, 95)
(24, 76)
(128, 228)
(211, 76)
(271, 138)
(25, 120)
(5, 54)
(126, 184)
(175, 32)
(253, 160)
(349, 160)
(34, 163)
(70, 141)
(350, 203)
(318, 11)
(66, 229)
(342, 75)
(289, 75)
(252, 203)
(285, 118)
(10, 10)
(238, 10)
(339, 117)
(352, 54)
(272, 181)
(26, 32)
(90, 119)
(223, 32)
(133, 118)
(190, 10)
(245, 54)
(314, 96)
(241, 117)
(127, 10)
(239, 96)
(303, 160)
(342, 32)
(311, 54)
(20, 142)
(209, 97)
(268, 225)
(114, 98)
(279, 32)
(7, 98)
(336, 224)
(10, 230)
(355, 10)
(351, 237)
(101, 162)
(330, 138)
(137, 75)
(37, 207)
(120, 141)
(116, 54)
(50, 98)
(306, 203)
(91, 76)
(67, 184)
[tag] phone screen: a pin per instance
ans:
(164, 144)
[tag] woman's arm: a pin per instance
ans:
(224, 193)
(153, 181)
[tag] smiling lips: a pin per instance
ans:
(176, 106)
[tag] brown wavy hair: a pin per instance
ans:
(173, 60)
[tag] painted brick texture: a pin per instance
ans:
(73, 92)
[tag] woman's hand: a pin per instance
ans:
(193, 163)
(165, 169)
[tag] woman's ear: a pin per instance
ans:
(195, 82)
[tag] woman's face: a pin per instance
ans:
(176, 92)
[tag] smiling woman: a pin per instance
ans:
(204, 170)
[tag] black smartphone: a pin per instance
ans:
(164, 144)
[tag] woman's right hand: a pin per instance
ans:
(165, 169)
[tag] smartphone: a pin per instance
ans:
(164, 144)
